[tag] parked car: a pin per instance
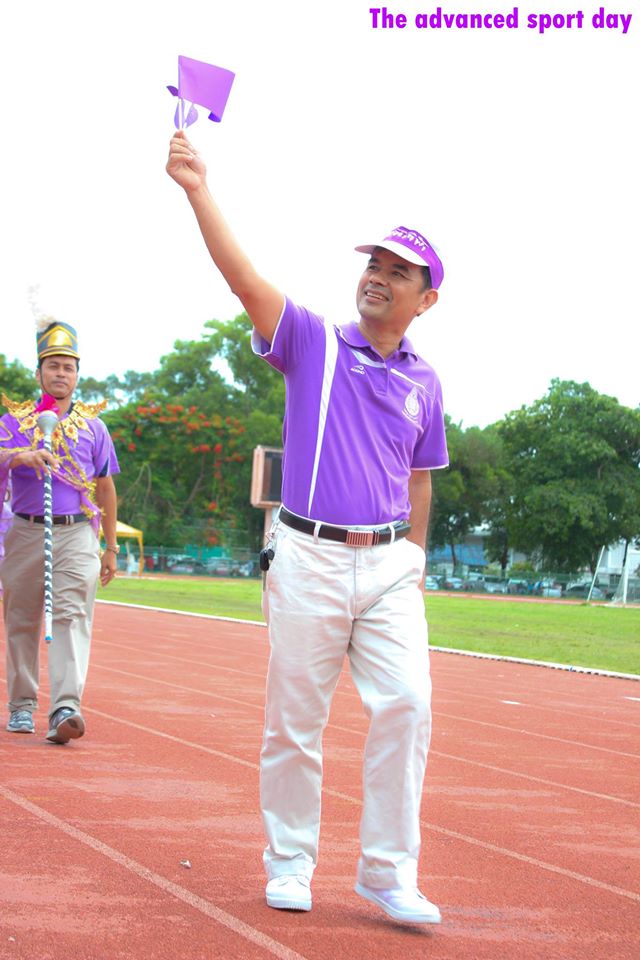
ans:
(547, 588)
(582, 590)
(495, 585)
(188, 565)
(452, 583)
(474, 582)
(432, 583)
(219, 567)
(518, 586)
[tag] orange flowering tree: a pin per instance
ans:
(179, 467)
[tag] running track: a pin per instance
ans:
(531, 816)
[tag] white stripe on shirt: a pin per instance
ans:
(330, 359)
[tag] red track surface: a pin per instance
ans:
(531, 817)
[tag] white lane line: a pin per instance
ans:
(513, 855)
(213, 665)
(438, 713)
(527, 776)
(464, 653)
(347, 693)
(167, 886)
(510, 773)
(334, 726)
(533, 733)
(360, 733)
(516, 703)
(354, 801)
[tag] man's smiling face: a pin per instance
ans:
(392, 290)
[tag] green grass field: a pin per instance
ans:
(578, 634)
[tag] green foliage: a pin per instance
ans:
(185, 438)
(470, 491)
(16, 380)
(557, 479)
(523, 568)
(179, 470)
(574, 458)
(258, 385)
(92, 390)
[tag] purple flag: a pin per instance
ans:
(204, 84)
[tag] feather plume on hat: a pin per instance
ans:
(43, 322)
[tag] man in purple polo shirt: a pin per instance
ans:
(363, 428)
(82, 464)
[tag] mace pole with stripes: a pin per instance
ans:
(47, 422)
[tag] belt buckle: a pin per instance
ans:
(362, 538)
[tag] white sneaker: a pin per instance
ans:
(289, 892)
(407, 905)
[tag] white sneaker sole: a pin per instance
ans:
(290, 904)
(404, 916)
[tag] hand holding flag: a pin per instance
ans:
(203, 84)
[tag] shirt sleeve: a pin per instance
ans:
(431, 452)
(298, 331)
(105, 461)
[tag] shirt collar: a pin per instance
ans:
(352, 335)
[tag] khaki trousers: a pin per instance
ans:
(76, 566)
(325, 601)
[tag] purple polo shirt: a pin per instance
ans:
(355, 424)
(93, 453)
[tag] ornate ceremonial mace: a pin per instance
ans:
(47, 421)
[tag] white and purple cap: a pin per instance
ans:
(411, 246)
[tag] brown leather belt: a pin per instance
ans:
(353, 538)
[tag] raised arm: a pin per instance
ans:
(262, 301)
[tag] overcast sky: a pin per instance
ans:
(515, 153)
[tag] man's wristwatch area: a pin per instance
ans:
(114, 548)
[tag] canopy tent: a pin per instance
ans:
(124, 531)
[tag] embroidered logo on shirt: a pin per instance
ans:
(411, 405)
(358, 369)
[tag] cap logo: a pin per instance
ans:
(407, 237)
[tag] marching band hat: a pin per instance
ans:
(55, 338)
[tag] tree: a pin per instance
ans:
(185, 438)
(257, 384)
(91, 390)
(258, 400)
(574, 456)
(497, 505)
(16, 381)
(179, 469)
(465, 495)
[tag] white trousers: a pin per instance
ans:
(322, 601)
